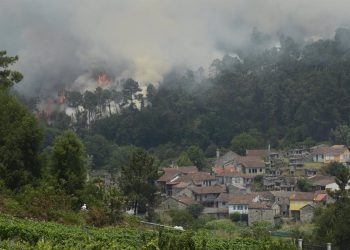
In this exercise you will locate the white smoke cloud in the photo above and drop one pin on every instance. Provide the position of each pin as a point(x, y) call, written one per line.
point(58, 41)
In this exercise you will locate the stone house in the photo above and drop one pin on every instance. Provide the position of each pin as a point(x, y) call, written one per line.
point(177, 202)
point(337, 153)
point(251, 165)
point(298, 200)
point(262, 154)
point(260, 212)
point(323, 182)
point(207, 195)
point(226, 159)
point(319, 152)
point(281, 198)
point(307, 213)
point(170, 175)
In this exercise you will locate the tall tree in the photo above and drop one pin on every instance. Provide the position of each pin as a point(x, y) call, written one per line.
point(69, 162)
point(137, 181)
point(20, 141)
point(8, 77)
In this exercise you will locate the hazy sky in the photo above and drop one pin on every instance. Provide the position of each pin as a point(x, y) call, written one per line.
point(59, 41)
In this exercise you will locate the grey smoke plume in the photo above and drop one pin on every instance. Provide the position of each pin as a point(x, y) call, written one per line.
point(58, 42)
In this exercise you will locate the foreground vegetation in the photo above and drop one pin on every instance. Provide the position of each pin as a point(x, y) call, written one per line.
point(29, 234)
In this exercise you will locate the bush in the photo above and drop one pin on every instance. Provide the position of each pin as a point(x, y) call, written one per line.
point(235, 217)
point(223, 225)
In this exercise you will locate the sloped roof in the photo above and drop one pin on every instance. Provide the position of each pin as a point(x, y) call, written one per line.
point(229, 156)
point(251, 162)
point(320, 150)
point(185, 200)
point(283, 194)
point(221, 171)
point(236, 198)
point(184, 170)
point(261, 153)
point(169, 174)
point(337, 150)
point(304, 196)
point(217, 189)
point(258, 205)
point(321, 180)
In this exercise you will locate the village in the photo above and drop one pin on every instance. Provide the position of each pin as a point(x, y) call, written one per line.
point(261, 186)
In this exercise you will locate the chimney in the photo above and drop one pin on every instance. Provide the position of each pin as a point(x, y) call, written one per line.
point(217, 153)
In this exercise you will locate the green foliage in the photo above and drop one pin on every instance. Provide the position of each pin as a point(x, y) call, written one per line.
point(304, 185)
point(242, 142)
point(259, 230)
point(29, 234)
point(184, 160)
point(222, 225)
point(340, 135)
point(99, 148)
point(137, 181)
point(20, 141)
point(181, 218)
point(196, 155)
point(8, 77)
point(235, 217)
point(195, 210)
point(69, 162)
point(333, 168)
point(120, 157)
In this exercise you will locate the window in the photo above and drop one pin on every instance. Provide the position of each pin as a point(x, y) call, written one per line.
point(224, 203)
point(260, 170)
point(205, 196)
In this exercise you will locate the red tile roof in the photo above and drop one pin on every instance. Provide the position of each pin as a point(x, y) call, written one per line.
point(303, 196)
point(337, 150)
point(261, 153)
point(236, 198)
point(217, 189)
point(185, 200)
point(258, 205)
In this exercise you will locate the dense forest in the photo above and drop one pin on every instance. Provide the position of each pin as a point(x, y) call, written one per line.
point(293, 94)
point(283, 96)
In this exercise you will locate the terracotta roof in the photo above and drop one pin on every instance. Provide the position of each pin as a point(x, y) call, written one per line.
point(185, 200)
point(337, 150)
point(229, 156)
point(283, 194)
point(236, 198)
point(304, 196)
point(321, 180)
point(200, 176)
point(251, 162)
point(320, 197)
point(320, 150)
point(220, 171)
point(181, 185)
point(184, 170)
point(217, 189)
point(258, 205)
point(261, 153)
point(168, 175)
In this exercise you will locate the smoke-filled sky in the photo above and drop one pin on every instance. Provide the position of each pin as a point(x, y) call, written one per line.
point(60, 41)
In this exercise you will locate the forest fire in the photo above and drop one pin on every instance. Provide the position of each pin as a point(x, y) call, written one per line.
point(103, 80)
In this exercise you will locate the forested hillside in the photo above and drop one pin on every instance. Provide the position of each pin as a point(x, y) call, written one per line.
point(280, 96)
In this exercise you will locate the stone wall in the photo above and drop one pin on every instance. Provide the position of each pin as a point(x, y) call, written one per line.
point(258, 214)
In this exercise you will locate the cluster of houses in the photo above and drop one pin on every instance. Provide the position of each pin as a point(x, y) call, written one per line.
point(230, 185)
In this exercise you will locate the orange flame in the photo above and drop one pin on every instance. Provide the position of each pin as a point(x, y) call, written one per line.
point(103, 80)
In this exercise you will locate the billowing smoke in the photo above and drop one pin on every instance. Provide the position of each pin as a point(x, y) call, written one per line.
point(62, 43)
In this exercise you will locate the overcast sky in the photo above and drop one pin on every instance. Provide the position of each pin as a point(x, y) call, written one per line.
point(59, 41)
